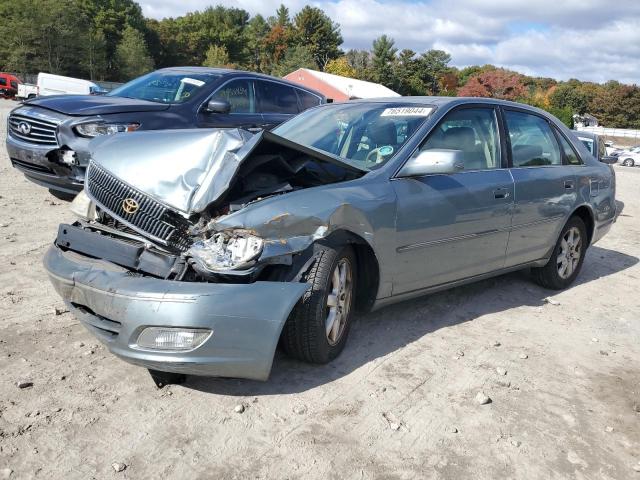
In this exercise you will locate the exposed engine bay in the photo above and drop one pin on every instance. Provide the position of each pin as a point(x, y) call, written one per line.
point(130, 227)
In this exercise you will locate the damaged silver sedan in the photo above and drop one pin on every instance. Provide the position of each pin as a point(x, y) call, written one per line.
point(197, 252)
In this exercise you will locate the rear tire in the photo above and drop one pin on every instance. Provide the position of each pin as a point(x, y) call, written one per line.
point(628, 162)
point(317, 329)
point(566, 260)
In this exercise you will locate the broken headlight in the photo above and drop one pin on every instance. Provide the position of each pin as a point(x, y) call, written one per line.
point(226, 251)
point(95, 129)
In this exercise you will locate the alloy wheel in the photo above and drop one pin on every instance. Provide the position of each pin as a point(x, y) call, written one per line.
point(339, 301)
point(570, 252)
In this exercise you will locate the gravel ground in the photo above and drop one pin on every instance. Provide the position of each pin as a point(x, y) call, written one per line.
point(561, 370)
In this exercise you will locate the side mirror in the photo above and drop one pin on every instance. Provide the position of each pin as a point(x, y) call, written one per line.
point(609, 159)
point(218, 106)
point(434, 161)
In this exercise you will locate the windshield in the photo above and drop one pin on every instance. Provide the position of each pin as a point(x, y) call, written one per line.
point(366, 134)
point(165, 87)
point(588, 143)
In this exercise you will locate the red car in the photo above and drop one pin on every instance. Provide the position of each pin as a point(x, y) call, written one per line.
point(8, 85)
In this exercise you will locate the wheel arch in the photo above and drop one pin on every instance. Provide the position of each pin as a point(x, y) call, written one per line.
point(368, 266)
point(585, 213)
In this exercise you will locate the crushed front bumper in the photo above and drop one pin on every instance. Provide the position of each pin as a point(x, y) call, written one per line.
point(115, 306)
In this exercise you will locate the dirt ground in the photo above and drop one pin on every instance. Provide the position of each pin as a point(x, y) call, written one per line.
point(398, 403)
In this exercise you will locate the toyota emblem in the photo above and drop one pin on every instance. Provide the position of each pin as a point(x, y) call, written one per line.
point(130, 206)
point(24, 128)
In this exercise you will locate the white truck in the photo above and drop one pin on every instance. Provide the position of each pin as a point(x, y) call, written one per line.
point(27, 91)
point(49, 84)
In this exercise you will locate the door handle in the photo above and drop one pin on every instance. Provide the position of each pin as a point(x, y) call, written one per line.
point(569, 184)
point(254, 129)
point(501, 193)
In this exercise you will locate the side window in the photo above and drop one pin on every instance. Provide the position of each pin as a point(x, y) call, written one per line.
point(569, 152)
point(473, 131)
point(307, 100)
point(14, 84)
point(276, 98)
point(3, 82)
point(239, 95)
point(532, 141)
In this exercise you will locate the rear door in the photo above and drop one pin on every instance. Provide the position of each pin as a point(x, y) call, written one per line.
point(276, 101)
point(239, 92)
point(455, 226)
point(545, 186)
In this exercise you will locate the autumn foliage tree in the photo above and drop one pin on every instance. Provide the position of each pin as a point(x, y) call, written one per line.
point(499, 83)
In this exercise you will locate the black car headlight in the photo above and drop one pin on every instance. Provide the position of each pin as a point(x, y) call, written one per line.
point(226, 251)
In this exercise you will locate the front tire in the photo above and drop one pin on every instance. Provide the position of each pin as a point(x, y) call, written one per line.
point(628, 162)
point(566, 260)
point(317, 329)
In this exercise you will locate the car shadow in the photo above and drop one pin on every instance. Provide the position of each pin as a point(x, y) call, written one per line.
point(380, 333)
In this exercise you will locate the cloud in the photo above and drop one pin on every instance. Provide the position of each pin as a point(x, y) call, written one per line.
point(586, 39)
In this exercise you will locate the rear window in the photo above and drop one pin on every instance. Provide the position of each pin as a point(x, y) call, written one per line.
point(308, 100)
point(276, 98)
point(533, 144)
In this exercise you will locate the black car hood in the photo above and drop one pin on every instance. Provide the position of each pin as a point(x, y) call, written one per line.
point(82, 105)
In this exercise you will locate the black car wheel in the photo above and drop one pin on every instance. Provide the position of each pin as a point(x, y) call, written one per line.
point(628, 162)
point(317, 329)
point(567, 257)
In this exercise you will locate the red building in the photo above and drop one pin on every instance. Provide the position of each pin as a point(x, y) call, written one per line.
point(339, 88)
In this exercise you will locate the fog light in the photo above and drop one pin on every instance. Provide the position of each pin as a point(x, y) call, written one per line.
point(167, 338)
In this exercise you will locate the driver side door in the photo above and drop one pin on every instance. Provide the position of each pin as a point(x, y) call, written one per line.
point(240, 94)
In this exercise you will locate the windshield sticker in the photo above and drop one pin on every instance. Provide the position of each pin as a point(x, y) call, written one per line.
point(407, 112)
point(192, 81)
point(386, 150)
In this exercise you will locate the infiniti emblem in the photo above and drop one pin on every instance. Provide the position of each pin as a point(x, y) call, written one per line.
point(24, 128)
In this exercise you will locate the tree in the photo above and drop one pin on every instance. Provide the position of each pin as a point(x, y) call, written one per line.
point(360, 60)
point(256, 31)
point(295, 58)
point(217, 56)
point(383, 61)
point(432, 65)
point(95, 55)
point(499, 83)
point(132, 54)
point(319, 34)
point(340, 66)
point(569, 96)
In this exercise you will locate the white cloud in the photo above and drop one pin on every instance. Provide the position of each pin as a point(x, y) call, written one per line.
point(586, 39)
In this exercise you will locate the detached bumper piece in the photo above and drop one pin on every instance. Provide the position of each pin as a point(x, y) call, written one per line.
point(245, 320)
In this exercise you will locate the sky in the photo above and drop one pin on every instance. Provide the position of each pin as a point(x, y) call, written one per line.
point(594, 40)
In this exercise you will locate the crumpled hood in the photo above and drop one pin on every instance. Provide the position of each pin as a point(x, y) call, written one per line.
point(184, 169)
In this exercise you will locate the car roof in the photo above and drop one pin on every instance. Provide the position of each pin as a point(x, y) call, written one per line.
point(591, 135)
point(450, 101)
point(229, 72)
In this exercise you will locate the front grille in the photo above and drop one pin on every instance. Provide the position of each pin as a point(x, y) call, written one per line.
point(151, 218)
point(31, 166)
point(33, 130)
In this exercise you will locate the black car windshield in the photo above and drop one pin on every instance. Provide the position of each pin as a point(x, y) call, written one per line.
point(165, 87)
point(367, 134)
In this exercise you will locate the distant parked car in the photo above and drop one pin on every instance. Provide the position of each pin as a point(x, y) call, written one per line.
point(629, 158)
point(49, 137)
point(596, 146)
point(8, 85)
